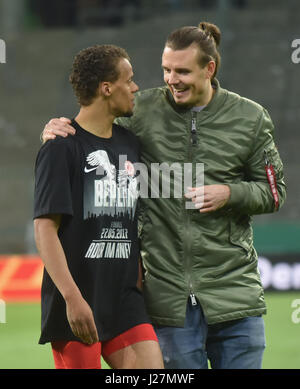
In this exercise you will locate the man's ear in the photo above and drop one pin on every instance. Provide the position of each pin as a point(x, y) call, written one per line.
point(105, 88)
point(211, 66)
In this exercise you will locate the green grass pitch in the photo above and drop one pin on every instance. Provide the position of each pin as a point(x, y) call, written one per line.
point(19, 336)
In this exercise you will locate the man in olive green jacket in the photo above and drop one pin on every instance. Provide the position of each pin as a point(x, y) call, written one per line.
point(201, 281)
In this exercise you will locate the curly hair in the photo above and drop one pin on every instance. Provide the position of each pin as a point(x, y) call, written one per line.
point(94, 65)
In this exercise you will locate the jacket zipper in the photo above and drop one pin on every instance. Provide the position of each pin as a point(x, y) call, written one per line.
point(193, 142)
point(193, 298)
point(194, 131)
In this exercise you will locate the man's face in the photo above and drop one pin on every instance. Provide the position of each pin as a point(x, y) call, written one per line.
point(187, 81)
point(122, 97)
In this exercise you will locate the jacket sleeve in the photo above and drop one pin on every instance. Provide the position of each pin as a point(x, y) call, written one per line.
point(254, 196)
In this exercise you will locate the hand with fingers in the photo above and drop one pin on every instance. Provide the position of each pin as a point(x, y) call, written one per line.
point(81, 320)
point(58, 126)
point(209, 198)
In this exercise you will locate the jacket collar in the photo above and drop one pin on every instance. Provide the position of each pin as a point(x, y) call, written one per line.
point(212, 107)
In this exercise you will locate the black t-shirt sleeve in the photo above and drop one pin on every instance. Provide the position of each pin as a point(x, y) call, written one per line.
point(53, 179)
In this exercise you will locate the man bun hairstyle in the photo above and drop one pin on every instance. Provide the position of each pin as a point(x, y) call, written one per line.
point(206, 37)
point(93, 65)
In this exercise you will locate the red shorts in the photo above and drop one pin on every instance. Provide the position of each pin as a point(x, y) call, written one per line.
point(78, 355)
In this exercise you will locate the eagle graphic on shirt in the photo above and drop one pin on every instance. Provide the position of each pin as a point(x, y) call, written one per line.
point(108, 191)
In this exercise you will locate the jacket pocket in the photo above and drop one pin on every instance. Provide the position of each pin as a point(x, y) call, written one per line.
point(241, 235)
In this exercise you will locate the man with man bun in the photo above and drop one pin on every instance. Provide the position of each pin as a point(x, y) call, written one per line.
point(202, 286)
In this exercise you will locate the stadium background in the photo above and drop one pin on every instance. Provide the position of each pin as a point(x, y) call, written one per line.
point(41, 40)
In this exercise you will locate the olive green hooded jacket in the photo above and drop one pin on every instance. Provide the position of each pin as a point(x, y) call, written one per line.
point(209, 255)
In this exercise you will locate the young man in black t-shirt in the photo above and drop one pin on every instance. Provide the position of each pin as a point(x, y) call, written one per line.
point(86, 226)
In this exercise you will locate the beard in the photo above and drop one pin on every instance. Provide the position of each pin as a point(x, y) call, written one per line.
point(126, 114)
point(183, 104)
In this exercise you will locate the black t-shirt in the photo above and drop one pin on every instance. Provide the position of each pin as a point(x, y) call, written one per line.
point(92, 183)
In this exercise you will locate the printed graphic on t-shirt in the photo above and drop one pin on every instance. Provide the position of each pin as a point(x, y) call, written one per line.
point(111, 195)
